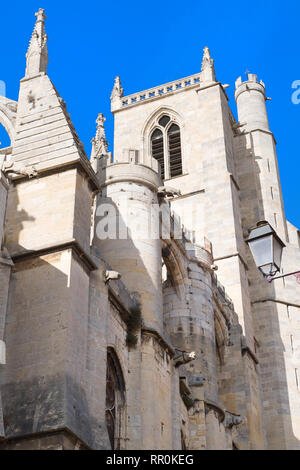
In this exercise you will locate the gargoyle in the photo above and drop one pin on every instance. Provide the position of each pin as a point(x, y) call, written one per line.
point(183, 357)
point(110, 275)
point(11, 168)
point(232, 420)
point(164, 191)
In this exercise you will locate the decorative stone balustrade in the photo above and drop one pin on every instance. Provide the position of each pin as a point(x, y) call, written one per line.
point(161, 90)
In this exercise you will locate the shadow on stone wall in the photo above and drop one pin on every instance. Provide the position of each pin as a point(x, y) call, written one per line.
point(45, 384)
point(271, 351)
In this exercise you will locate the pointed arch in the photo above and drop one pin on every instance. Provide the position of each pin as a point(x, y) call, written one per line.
point(155, 121)
point(221, 336)
point(175, 267)
point(157, 114)
point(115, 400)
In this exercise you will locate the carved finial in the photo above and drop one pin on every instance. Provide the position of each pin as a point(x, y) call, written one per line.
point(207, 66)
point(100, 120)
point(117, 91)
point(116, 95)
point(40, 15)
point(37, 54)
point(206, 60)
point(99, 142)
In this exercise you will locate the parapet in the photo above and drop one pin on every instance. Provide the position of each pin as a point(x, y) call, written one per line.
point(251, 83)
point(170, 88)
point(129, 167)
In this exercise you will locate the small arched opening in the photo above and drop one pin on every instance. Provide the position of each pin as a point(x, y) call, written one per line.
point(115, 401)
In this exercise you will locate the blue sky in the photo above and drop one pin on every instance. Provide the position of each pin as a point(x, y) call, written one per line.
point(149, 43)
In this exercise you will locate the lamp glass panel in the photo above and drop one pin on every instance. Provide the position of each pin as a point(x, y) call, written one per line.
point(277, 253)
point(261, 249)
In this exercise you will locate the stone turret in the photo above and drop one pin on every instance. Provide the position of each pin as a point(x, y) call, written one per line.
point(130, 188)
point(261, 199)
point(252, 113)
point(251, 103)
point(129, 204)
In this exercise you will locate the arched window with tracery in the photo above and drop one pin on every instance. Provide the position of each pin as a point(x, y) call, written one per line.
point(166, 147)
point(115, 401)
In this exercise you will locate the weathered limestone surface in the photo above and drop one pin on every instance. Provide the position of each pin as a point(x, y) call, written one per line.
point(5, 269)
point(118, 330)
point(3, 199)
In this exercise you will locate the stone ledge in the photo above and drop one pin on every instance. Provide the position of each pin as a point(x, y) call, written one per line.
point(64, 245)
point(57, 165)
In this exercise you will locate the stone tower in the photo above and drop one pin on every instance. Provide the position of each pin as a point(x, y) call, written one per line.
point(132, 315)
point(275, 307)
point(229, 181)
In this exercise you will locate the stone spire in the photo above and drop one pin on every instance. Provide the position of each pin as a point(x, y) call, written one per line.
point(207, 67)
point(116, 94)
point(37, 54)
point(99, 142)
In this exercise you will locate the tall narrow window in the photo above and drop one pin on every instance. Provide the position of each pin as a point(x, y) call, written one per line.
point(174, 151)
point(166, 147)
point(157, 142)
point(115, 400)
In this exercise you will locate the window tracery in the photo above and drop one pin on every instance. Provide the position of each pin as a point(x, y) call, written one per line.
point(115, 400)
point(166, 147)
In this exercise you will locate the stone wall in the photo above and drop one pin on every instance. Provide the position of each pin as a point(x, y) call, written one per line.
point(5, 268)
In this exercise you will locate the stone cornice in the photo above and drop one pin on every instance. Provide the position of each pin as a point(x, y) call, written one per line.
point(231, 256)
point(72, 244)
point(60, 165)
point(264, 131)
point(212, 84)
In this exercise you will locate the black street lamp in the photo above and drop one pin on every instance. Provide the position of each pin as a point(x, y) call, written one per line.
point(266, 248)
